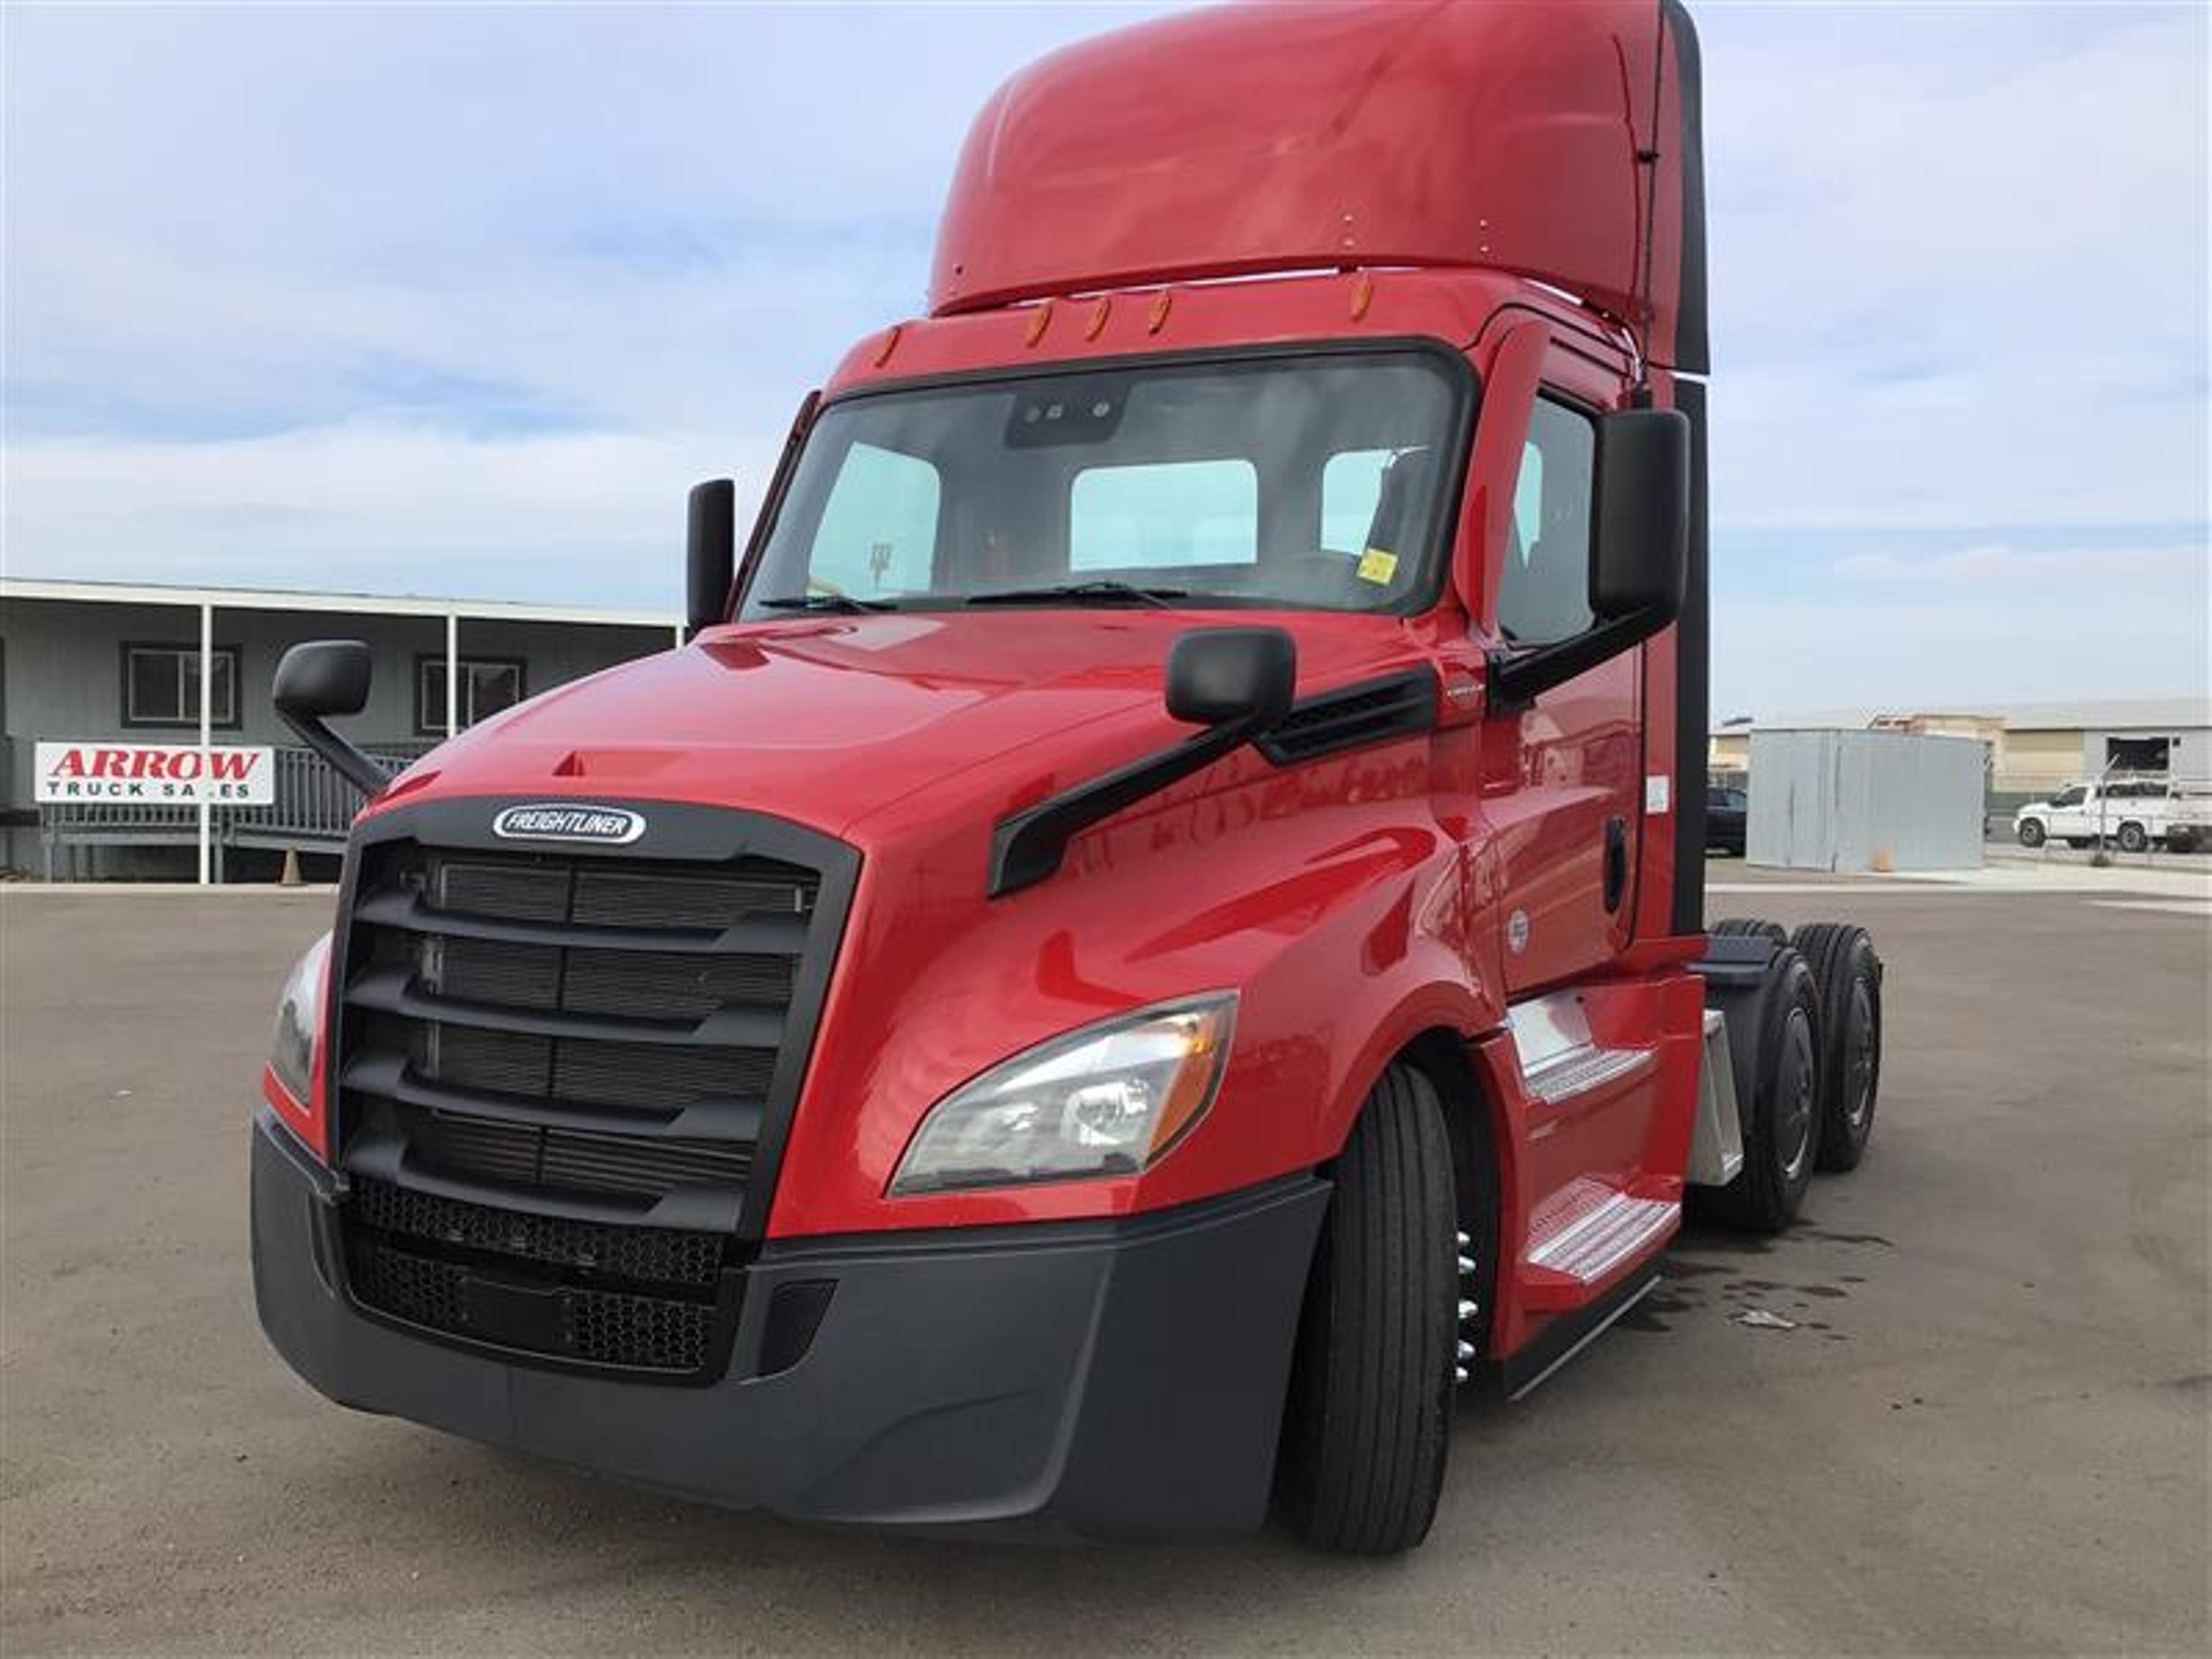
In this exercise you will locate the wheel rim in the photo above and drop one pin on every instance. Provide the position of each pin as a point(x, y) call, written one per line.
point(1858, 1057)
point(1793, 1113)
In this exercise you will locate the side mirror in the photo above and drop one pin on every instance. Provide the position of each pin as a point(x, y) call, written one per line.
point(710, 554)
point(1225, 676)
point(1639, 555)
point(317, 679)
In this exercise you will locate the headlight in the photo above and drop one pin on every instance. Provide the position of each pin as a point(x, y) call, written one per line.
point(292, 1045)
point(1107, 1100)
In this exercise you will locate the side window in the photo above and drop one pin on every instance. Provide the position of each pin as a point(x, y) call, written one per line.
point(1543, 592)
point(1350, 491)
point(1165, 513)
point(879, 529)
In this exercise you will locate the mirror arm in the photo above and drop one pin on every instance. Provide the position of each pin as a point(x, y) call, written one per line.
point(357, 767)
point(1517, 679)
point(1026, 848)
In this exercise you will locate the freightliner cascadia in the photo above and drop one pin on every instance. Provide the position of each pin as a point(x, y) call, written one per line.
point(1155, 930)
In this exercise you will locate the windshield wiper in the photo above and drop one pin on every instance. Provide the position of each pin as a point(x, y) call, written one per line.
point(843, 604)
point(1091, 592)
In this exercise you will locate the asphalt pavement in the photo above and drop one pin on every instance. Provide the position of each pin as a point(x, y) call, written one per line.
point(1984, 1429)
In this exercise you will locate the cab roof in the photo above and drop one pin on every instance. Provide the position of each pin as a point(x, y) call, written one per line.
point(1248, 139)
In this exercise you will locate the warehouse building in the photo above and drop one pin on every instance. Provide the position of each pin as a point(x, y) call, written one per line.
point(2029, 749)
point(136, 738)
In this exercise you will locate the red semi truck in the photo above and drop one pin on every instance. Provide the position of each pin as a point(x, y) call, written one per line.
point(1155, 929)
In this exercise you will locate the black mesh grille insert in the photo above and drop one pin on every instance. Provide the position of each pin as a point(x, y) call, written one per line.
point(654, 1254)
point(590, 1071)
point(548, 890)
point(573, 1160)
point(580, 980)
point(604, 1328)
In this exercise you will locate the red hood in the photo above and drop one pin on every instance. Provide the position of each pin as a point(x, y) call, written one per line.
point(826, 720)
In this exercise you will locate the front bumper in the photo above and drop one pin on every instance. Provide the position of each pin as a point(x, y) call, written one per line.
point(1089, 1379)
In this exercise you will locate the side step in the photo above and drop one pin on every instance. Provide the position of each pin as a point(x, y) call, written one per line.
point(1559, 1060)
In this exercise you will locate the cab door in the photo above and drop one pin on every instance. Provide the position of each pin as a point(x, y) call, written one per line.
point(1563, 776)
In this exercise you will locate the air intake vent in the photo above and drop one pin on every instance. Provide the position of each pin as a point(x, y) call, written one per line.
point(1373, 711)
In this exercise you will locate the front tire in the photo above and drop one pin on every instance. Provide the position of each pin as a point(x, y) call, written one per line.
point(2031, 833)
point(2133, 838)
point(1370, 1413)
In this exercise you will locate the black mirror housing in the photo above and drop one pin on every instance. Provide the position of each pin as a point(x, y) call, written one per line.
point(1224, 675)
point(318, 678)
point(710, 554)
point(1639, 556)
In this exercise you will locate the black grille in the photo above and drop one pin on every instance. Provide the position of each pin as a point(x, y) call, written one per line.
point(601, 1328)
point(521, 1008)
point(1370, 712)
point(587, 1071)
point(635, 1252)
point(528, 1155)
point(532, 1047)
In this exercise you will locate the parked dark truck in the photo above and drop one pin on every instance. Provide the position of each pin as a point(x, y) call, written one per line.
point(1156, 928)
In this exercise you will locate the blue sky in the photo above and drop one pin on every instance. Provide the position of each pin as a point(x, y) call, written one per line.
point(459, 300)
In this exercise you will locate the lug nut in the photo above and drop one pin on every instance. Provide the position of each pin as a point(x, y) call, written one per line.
point(1459, 1373)
point(1466, 1352)
point(1467, 1266)
point(1464, 1241)
point(1467, 1310)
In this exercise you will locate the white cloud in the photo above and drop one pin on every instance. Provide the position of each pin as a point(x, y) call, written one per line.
point(594, 516)
point(1976, 623)
point(2174, 569)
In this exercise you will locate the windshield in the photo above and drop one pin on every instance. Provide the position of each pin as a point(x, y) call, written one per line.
point(1313, 481)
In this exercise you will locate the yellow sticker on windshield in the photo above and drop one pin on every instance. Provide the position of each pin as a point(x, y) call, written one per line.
point(1376, 566)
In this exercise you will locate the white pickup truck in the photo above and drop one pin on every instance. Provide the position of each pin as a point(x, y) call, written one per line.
point(2131, 812)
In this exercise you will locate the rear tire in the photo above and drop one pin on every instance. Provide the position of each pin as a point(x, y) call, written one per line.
point(1371, 1412)
point(1749, 928)
point(1849, 974)
point(1781, 1117)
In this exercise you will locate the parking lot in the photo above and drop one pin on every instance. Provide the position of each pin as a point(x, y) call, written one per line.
point(1985, 1429)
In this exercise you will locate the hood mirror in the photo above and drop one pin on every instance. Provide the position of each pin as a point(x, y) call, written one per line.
point(317, 679)
point(710, 554)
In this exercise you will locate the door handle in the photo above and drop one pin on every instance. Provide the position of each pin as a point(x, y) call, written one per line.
point(1616, 860)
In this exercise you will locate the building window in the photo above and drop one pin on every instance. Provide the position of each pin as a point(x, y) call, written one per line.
point(487, 684)
point(161, 686)
point(2139, 754)
point(1543, 594)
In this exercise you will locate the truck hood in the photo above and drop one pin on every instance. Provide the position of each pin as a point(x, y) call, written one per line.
point(826, 720)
